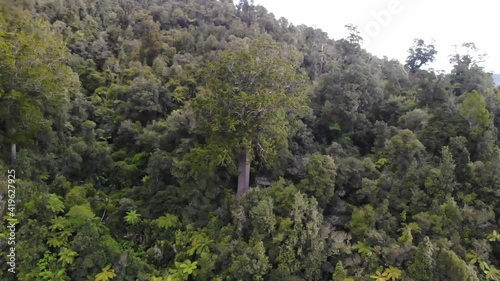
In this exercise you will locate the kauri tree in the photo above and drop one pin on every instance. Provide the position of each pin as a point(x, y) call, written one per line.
point(244, 109)
point(34, 80)
point(420, 54)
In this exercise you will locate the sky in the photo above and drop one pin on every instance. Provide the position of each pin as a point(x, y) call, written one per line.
point(390, 26)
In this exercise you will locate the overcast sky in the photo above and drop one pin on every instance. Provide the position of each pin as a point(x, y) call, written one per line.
point(389, 26)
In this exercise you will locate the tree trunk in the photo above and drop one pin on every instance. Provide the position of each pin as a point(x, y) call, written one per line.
point(13, 156)
point(244, 176)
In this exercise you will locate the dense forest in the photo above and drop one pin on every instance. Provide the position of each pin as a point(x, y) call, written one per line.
point(207, 140)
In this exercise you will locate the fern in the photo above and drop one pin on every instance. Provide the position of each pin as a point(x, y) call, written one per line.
point(390, 274)
point(494, 236)
point(106, 274)
point(393, 273)
point(490, 272)
point(58, 223)
point(379, 276)
point(188, 267)
point(55, 242)
point(473, 257)
point(363, 249)
point(132, 217)
point(167, 221)
point(55, 204)
point(67, 256)
point(381, 163)
point(200, 244)
point(81, 212)
point(59, 275)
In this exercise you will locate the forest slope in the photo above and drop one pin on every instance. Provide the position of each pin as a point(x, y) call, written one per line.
point(203, 140)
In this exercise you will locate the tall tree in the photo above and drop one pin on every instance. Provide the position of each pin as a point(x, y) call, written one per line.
point(245, 11)
point(34, 80)
point(244, 108)
point(420, 54)
point(423, 267)
point(468, 72)
point(354, 35)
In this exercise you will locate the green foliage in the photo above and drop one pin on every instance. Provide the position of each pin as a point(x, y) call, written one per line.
point(252, 263)
point(451, 267)
point(381, 162)
point(467, 73)
point(249, 95)
point(363, 249)
point(107, 274)
point(406, 238)
point(424, 264)
point(403, 148)
point(188, 267)
point(66, 256)
point(132, 217)
point(121, 107)
point(83, 212)
point(34, 80)
point(363, 220)
point(59, 223)
point(474, 109)
point(490, 272)
point(183, 270)
point(441, 181)
point(167, 221)
point(391, 273)
point(420, 54)
point(320, 180)
point(55, 204)
point(379, 276)
point(263, 217)
point(474, 258)
point(78, 195)
point(43, 264)
point(59, 275)
point(200, 244)
point(340, 273)
point(493, 236)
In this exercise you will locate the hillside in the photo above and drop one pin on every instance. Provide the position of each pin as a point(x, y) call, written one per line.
point(203, 140)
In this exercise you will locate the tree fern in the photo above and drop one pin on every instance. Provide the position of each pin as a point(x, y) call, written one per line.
point(67, 256)
point(106, 274)
point(55, 204)
point(132, 217)
point(167, 221)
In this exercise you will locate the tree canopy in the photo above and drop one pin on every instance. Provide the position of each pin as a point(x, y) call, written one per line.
point(209, 140)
